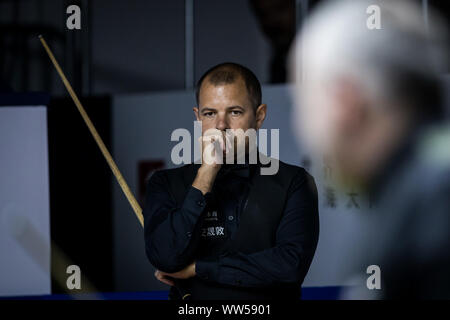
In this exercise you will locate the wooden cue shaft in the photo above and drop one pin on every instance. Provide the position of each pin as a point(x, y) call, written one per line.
point(126, 190)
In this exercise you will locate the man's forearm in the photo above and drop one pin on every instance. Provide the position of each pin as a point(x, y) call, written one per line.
point(204, 179)
point(260, 269)
point(171, 231)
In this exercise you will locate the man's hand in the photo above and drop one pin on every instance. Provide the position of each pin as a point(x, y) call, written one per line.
point(167, 278)
point(215, 145)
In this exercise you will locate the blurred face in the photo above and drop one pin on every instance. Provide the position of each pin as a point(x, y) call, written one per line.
point(335, 116)
point(331, 118)
point(227, 106)
point(317, 117)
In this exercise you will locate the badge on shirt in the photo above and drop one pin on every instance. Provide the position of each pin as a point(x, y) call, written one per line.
point(212, 226)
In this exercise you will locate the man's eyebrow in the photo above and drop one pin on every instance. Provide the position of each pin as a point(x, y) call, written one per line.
point(207, 109)
point(232, 107)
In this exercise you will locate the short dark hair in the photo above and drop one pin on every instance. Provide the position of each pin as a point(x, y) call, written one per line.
point(229, 72)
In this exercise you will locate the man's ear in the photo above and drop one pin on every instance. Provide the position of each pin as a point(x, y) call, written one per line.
point(196, 113)
point(260, 115)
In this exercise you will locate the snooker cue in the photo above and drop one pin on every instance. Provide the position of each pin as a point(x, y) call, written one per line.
point(120, 179)
point(115, 170)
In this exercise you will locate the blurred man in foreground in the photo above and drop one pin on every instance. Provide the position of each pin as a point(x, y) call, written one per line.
point(370, 98)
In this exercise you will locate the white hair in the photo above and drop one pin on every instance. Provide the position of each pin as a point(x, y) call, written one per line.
point(336, 41)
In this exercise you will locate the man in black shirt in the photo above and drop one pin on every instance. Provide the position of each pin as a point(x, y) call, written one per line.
point(227, 231)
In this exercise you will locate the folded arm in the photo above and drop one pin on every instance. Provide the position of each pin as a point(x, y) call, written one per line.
point(171, 230)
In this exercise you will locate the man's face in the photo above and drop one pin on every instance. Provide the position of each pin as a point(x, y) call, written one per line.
point(228, 106)
point(316, 116)
point(335, 118)
point(225, 106)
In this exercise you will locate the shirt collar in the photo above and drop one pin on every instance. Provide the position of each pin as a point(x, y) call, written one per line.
point(240, 170)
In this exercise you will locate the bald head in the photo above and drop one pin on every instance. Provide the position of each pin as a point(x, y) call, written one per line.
point(400, 61)
point(362, 91)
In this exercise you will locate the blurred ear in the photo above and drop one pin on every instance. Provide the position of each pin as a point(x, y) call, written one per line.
point(260, 115)
point(196, 113)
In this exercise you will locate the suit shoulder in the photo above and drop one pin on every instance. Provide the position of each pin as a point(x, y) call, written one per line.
point(292, 170)
point(289, 174)
point(167, 175)
point(299, 178)
point(173, 172)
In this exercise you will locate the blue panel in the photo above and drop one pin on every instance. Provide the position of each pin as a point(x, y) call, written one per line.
point(308, 293)
point(321, 293)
